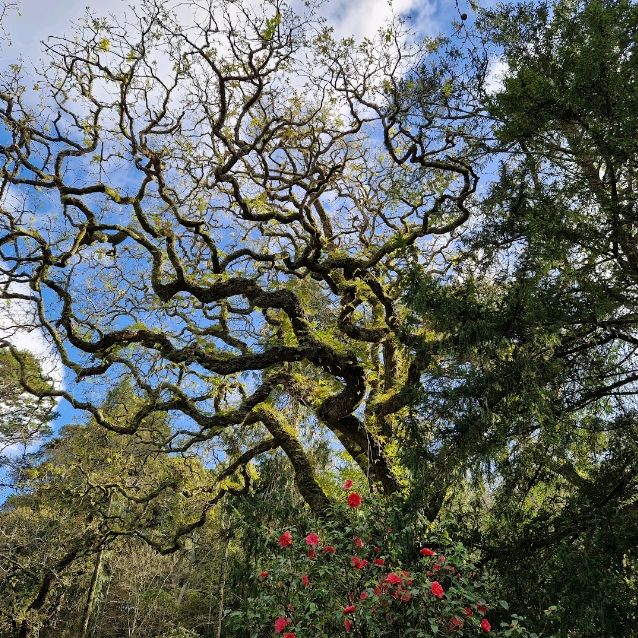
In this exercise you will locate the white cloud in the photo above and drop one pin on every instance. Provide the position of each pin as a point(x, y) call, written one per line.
point(496, 72)
point(39, 19)
point(18, 326)
point(362, 18)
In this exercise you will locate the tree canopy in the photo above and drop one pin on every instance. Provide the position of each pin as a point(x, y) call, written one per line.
point(230, 206)
point(271, 259)
point(24, 417)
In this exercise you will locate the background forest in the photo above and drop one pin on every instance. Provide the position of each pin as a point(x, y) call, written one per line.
point(348, 326)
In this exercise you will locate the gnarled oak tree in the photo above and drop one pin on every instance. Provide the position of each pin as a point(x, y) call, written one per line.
point(221, 210)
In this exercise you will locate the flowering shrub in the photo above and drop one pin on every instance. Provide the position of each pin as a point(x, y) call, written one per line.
point(350, 577)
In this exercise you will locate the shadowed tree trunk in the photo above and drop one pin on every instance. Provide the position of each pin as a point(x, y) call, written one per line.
point(223, 568)
point(91, 596)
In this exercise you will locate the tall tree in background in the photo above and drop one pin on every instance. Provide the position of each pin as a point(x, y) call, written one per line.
point(538, 392)
point(92, 491)
point(25, 418)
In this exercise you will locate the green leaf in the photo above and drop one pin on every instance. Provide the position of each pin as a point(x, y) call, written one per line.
point(271, 27)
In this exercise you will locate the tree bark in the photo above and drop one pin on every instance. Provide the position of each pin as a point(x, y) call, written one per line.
point(89, 606)
point(222, 584)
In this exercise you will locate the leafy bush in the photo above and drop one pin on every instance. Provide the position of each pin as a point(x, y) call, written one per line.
point(351, 575)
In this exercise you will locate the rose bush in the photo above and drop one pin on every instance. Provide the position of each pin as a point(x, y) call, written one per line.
point(351, 576)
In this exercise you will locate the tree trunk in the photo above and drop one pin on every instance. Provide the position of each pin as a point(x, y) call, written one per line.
point(25, 630)
point(51, 622)
point(92, 594)
point(222, 584)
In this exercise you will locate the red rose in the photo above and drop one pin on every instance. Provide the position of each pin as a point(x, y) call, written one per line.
point(393, 579)
point(426, 551)
point(363, 595)
point(379, 561)
point(441, 559)
point(290, 634)
point(481, 608)
point(347, 485)
point(312, 539)
point(437, 590)
point(485, 625)
point(329, 549)
point(305, 580)
point(468, 612)
point(281, 624)
point(358, 563)
point(285, 539)
point(358, 542)
point(312, 554)
point(263, 575)
point(350, 609)
point(354, 500)
point(455, 623)
point(347, 624)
